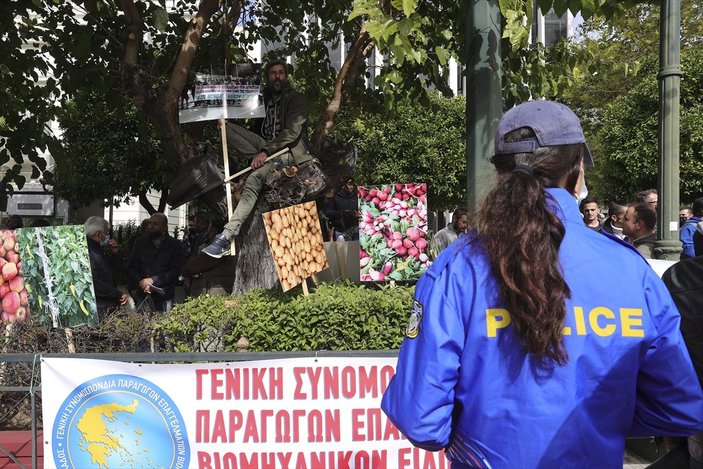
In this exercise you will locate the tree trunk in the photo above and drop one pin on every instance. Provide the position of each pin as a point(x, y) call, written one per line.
point(161, 104)
point(255, 266)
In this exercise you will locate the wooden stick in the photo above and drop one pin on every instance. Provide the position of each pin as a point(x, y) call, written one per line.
point(249, 168)
point(228, 185)
point(305, 287)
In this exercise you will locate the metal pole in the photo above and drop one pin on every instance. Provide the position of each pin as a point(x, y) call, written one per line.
point(33, 400)
point(484, 106)
point(668, 245)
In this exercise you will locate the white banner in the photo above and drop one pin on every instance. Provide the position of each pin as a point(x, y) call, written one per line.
point(298, 413)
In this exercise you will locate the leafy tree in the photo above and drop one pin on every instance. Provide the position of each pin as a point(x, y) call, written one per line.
point(617, 95)
point(148, 52)
point(627, 137)
point(108, 139)
point(27, 103)
point(418, 144)
point(614, 51)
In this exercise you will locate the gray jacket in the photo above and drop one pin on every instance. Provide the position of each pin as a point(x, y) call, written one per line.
point(294, 132)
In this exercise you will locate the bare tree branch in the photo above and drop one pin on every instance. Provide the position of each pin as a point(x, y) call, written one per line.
point(349, 72)
point(146, 203)
point(189, 46)
point(133, 77)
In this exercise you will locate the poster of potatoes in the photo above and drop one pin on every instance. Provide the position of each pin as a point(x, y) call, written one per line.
point(13, 293)
point(393, 232)
point(56, 270)
point(296, 243)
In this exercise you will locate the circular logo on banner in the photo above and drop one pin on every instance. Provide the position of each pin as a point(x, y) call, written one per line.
point(119, 421)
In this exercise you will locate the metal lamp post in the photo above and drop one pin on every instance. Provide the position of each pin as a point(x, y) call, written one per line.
point(484, 106)
point(668, 245)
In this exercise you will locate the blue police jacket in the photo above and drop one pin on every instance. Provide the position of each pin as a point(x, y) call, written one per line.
point(465, 383)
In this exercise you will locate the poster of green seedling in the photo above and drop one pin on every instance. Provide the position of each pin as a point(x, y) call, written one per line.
point(57, 275)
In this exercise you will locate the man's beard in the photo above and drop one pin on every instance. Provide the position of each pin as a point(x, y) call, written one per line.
point(276, 87)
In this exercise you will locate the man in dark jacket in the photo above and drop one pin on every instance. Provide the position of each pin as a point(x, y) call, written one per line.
point(197, 234)
point(639, 225)
point(284, 125)
point(204, 274)
point(613, 224)
point(104, 265)
point(155, 263)
point(344, 201)
point(685, 283)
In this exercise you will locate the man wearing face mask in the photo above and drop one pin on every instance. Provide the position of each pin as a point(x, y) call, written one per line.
point(104, 264)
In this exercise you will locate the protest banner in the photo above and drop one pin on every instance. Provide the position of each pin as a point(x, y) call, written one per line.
point(299, 413)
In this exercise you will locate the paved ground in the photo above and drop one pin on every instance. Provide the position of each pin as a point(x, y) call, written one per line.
point(632, 461)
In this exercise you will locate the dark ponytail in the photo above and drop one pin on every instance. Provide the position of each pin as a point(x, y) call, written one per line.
point(522, 235)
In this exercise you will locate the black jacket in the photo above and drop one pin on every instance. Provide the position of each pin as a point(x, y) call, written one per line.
point(685, 283)
point(339, 204)
point(163, 264)
point(103, 267)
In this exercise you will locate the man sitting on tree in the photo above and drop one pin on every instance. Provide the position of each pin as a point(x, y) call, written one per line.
point(284, 125)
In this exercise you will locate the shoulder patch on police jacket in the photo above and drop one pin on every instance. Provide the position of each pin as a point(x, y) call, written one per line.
point(413, 328)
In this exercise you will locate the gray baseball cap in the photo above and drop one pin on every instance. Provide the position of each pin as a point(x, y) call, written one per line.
point(553, 124)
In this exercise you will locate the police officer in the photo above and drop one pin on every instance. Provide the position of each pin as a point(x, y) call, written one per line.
point(535, 341)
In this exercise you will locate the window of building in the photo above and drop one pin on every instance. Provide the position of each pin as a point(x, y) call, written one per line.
point(555, 28)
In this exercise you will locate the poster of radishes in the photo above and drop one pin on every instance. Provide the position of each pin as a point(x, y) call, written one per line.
point(393, 232)
point(56, 270)
point(13, 293)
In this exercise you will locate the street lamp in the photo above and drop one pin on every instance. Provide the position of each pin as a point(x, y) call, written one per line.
point(667, 245)
point(484, 106)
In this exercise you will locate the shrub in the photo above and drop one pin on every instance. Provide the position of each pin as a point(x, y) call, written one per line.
point(332, 317)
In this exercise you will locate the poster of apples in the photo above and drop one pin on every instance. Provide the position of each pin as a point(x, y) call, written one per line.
point(393, 232)
point(55, 266)
point(13, 293)
point(295, 238)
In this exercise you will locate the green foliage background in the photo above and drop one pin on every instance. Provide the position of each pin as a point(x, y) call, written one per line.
point(332, 317)
point(80, 45)
point(627, 140)
point(412, 143)
point(616, 96)
point(105, 136)
point(69, 265)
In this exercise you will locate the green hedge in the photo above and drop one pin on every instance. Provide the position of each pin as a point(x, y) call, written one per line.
point(333, 317)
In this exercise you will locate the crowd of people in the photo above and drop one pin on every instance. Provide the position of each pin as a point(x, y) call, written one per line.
point(636, 222)
point(146, 277)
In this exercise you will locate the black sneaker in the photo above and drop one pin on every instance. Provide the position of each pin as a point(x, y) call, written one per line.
point(219, 247)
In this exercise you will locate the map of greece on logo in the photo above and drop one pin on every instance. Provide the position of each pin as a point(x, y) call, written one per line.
point(119, 421)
